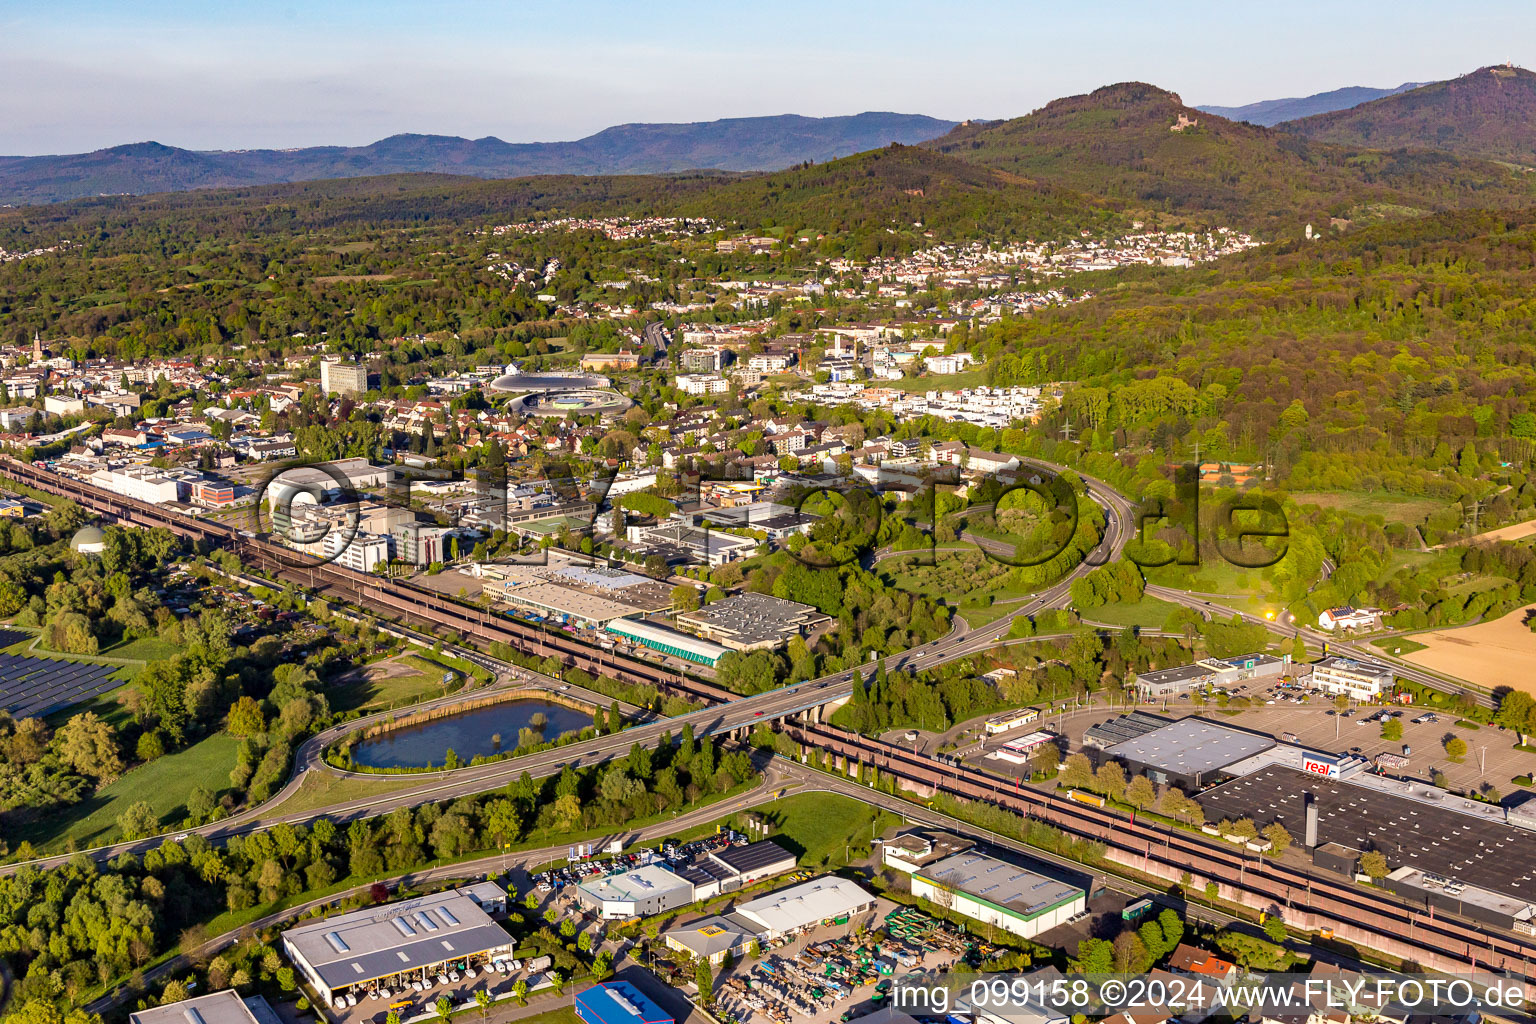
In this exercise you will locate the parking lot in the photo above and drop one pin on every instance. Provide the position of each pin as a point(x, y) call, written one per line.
point(1311, 720)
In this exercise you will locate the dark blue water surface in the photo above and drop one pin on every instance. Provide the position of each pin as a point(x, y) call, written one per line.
point(468, 733)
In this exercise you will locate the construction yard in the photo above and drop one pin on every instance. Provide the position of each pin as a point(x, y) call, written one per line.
point(842, 970)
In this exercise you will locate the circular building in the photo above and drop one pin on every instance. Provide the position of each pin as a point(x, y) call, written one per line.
point(88, 540)
point(541, 383)
point(583, 402)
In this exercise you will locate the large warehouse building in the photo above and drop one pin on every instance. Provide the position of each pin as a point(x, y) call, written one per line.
point(947, 870)
point(668, 641)
point(751, 622)
point(408, 941)
point(793, 910)
point(1191, 753)
point(998, 893)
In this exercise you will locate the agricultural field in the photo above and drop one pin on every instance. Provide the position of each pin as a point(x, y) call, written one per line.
point(1393, 507)
point(1491, 654)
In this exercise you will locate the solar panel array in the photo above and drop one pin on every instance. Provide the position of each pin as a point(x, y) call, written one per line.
point(39, 686)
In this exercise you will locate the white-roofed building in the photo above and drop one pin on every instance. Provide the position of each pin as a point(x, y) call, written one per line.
point(668, 641)
point(641, 892)
point(805, 905)
point(223, 1007)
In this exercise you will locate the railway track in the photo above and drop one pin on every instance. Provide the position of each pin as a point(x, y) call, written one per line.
point(417, 604)
point(1266, 880)
point(1263, 883)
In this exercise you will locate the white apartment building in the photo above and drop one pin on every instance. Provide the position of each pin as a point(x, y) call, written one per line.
point(360, 552)
point(339, 378)
point(703, 384)
point(769, 362)
point(952, 363)
point(1361, 680)
point(147, 483)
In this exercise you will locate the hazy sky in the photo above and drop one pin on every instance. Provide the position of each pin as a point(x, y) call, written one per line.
point(78, 75)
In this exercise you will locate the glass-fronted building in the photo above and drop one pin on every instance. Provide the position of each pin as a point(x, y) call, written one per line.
point(668, 641)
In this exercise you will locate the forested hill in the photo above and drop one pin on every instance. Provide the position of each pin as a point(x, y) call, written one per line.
point(888, 200)
point(899, 197)
point(1271, 112)
point(1121, 142)
point(1490, 113)
point(731, 144)
point(1353, 359)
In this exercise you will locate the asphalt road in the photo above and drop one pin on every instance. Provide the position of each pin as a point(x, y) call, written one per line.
point(774, 778)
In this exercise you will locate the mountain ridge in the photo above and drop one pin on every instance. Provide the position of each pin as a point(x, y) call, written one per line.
point(1486, 114)
point(728, 144)
point(1269, 113)
point(1140, 144)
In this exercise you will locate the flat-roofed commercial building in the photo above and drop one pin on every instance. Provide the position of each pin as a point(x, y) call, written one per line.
point(775, 520)
point(909, 851)
point(1190, 753)
point(1008, 720)
point(750, 622)
point(793, 910)
point(618, 1002)
point(641, 892)
point(668, 641)
point(1362, 680)
point(753, 862)
point(223, 1007)
point(1169, 682)
point(396, 942)
point(565, 603)
point(996, 892)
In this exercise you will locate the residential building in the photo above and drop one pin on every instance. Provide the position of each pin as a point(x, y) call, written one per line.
point(770, 362)
point(359, 552)
point(343, 378)
point(702, 384)
point(420, 544)
point(703, 360)
point(1349, 618)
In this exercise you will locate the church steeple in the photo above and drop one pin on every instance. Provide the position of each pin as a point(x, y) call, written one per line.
point(37, 347)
